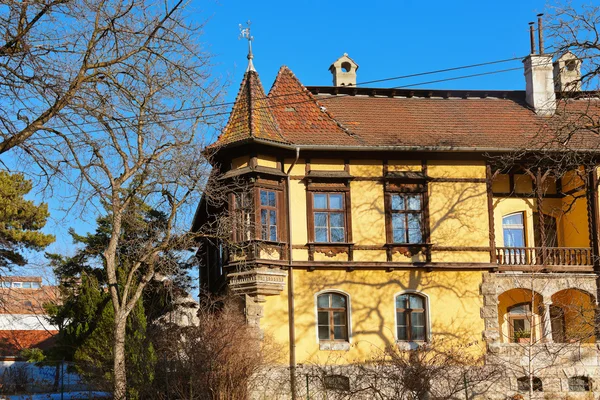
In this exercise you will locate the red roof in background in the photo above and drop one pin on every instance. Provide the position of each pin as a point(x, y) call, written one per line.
point(12, 342)
point(364, 117)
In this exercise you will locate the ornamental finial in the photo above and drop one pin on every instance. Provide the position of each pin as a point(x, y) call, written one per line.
point(245, 34)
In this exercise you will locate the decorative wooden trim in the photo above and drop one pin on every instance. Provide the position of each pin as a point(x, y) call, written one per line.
point(511, 183)
point(425, 204)
point(489, 179)
point(347, 166)
point(459, 249)
point(348, 214)
point(391, 266)
point(306, 166)
point(310, 223)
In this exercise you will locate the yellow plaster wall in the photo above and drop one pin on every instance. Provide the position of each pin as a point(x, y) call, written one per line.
point(523, 183)
point(501, 184)
point(298, 169)
point(454, 302)
point(266, 161)
point(574, 221)
point(327, 165)
point(456, 169)
point(405, 165)
point(366, 168)
point(240, 162)
point(458, 213)
point(298, 207)
point(368, 212)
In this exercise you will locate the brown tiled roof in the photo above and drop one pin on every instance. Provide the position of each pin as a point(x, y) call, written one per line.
point(300, 116)
point(493, 123)
point(251, 116)
point(361, 117)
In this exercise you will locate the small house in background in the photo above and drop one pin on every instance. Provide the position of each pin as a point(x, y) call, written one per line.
point(23, 322)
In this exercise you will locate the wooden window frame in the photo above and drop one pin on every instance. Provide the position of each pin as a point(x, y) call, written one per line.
point(268, 209)
point(240, 232)
point(253, 193)
point(330, 310)
point(407, 189)
point(408, 316)
point(346, 211)
point(406, 213)
point(528, 316)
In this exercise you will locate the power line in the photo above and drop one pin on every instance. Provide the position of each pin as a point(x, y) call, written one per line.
point(300, 102)
point(198, 108)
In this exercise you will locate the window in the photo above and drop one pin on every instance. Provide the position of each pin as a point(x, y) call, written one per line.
point(514, 230)
point(411, 320)
point(35, 285)
point(26, 285)
point(268, 215)
point(336, 382)
point(16, 284)
point(520, 322)
point(329, 217)
point(523, 384)
point(242, 216)
point(332, 317)
point(579, 384)
point(407, 217)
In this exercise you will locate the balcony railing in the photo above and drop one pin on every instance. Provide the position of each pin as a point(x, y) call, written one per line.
point(543, 256)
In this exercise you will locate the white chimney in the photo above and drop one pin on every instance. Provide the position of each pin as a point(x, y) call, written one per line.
point(539, 79)
point(344, 71)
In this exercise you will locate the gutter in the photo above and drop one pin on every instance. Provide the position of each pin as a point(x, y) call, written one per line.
point(291, 316)
point(408, 148)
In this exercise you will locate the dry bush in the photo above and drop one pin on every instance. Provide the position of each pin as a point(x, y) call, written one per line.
point(218, 359)
point(427, 372)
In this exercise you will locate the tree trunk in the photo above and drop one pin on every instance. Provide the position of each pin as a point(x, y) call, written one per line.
point(120, 373)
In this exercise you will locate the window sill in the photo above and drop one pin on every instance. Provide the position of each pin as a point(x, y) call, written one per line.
point(408, 346)
point(334, 346)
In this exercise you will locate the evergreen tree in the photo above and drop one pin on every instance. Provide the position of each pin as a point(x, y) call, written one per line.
point(20, 221)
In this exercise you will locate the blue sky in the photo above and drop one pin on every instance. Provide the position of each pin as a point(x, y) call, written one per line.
point(386, 38)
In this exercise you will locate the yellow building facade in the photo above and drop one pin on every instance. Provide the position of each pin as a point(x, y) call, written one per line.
point(366, 219)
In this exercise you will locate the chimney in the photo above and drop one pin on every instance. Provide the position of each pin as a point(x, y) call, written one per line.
point(567, 73)
point(344, 71)
point(539, 82)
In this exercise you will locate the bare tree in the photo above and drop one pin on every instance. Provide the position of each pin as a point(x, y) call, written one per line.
point(57, 57)
point(113, 99)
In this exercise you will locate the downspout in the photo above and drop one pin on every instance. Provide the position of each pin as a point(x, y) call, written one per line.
point(291, 318)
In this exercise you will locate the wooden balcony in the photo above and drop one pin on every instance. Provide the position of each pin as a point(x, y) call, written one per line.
point(549, 256)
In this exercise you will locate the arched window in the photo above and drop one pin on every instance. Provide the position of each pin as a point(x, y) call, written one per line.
point(411, 317)
point(332, 316)
point(514, 230)
point(523, 384)
point(579, 384)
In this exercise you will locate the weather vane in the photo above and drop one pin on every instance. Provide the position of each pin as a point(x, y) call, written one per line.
point(245, 34)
